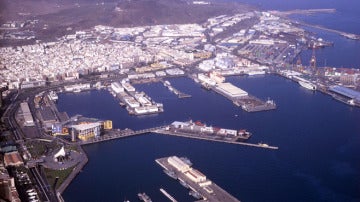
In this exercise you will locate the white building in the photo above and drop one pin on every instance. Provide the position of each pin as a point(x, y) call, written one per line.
point(116, 87)
point(195, 176)
point(179, 164)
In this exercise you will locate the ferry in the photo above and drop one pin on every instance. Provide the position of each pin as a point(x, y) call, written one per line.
point(144, 197)
point(307, 85)
point(171, 174)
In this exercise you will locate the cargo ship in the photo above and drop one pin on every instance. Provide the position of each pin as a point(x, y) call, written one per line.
point(144, 197)
point(307, 85)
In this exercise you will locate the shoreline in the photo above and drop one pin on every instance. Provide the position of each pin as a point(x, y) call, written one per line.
point(73, 173)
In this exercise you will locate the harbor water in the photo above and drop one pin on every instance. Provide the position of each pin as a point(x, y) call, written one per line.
point(317, 138)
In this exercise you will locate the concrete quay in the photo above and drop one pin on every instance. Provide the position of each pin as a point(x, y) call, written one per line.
point(248, 103)
point(203, 137)
point(209, 192)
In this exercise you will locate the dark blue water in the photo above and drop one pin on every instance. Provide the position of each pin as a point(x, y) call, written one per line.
point(318, 138)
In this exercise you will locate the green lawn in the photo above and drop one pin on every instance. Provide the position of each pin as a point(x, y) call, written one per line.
point(62, 174)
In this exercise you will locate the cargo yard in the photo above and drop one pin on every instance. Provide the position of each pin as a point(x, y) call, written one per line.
point(137, 103)
point(200, 187)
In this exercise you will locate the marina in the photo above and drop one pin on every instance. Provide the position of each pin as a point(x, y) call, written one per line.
point(201, 188)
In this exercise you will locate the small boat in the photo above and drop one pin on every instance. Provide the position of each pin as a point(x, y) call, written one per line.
point(263, 145)
point(184, 184)
point(144, 197)
point(195, 194)
point(171, 174)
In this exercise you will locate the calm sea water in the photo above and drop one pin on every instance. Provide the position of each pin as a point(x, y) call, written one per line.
point(318, 140)
point(318, 137)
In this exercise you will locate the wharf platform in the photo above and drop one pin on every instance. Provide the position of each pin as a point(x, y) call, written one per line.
point(164, 131)
point(174, 90)
point(248, 103)
point(209, 192)
point(117, 134)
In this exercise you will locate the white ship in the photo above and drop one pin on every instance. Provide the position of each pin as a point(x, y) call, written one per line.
point(307, 85)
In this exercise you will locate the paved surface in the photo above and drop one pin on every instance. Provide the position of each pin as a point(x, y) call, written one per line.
point(218, 193)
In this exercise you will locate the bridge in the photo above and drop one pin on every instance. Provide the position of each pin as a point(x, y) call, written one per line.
point(116, 134)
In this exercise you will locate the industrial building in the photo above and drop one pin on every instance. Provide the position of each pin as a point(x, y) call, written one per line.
point(347, 92)
point(13, 159)
point(116, 87)
point(179, 164)
point(25, 112)
point(231, 90)
point(195, 176)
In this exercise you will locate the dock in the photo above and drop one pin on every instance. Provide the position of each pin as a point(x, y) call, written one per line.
point(164, 130)
point(197, 182)
point(247, 102)
point(174, 90)
point(202, 137)
point(168, 195)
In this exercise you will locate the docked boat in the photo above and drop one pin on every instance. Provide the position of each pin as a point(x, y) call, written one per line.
point(184, 184)
point(195, 194)
point(307, 85)
point(144, 197)
point(53, 96)
point(263, 145)
point(171, 174)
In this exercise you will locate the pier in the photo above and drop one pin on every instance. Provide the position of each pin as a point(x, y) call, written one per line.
point(164, 130)
point(202, 137)
point(167, 195)
point(304, 11)
point(247, 102)
point(344, 34)
point(197, 182)
point(174, 90)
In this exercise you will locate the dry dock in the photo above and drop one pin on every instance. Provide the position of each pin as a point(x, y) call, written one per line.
point(197, 182)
